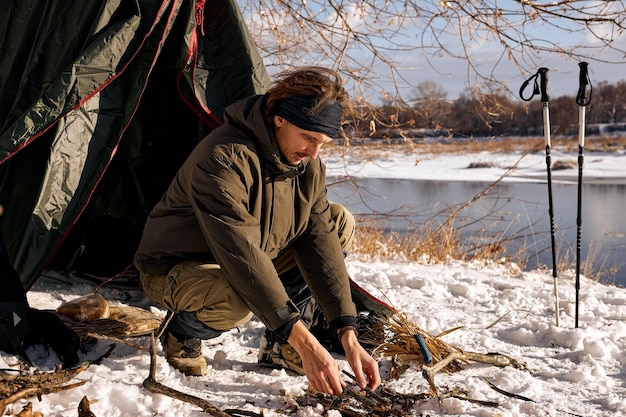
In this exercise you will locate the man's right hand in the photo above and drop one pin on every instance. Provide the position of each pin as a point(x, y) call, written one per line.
point(319, 366)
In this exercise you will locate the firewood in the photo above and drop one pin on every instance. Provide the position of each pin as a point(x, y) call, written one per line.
point(399, 337)
point(27, 411)
point(152, 385)
point(10, 383)
point(83, 408)
point(35, 392)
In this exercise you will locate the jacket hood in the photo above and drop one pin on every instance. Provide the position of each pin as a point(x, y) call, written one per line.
point(247, 114)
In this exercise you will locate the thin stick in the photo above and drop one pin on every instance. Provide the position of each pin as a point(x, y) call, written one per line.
point(508, 394)
point(384, 400)
point(35, 391)
point(117, 340)
point(152, 385)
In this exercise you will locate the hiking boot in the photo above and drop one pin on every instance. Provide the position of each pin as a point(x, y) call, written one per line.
point(185, 355)
point(279, 355)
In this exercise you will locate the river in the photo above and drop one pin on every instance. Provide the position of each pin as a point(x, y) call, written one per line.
point(512, 207)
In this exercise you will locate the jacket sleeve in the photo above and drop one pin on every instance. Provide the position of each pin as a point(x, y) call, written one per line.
point(221, 188)
point(319, 255)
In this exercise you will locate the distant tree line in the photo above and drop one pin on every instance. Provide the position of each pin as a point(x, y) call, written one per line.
point(430, 113)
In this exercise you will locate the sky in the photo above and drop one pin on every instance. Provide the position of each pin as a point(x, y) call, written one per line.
point(563, 73)
point(454, 75)
point(486, 306)
point(487, 52)
point(429, 46)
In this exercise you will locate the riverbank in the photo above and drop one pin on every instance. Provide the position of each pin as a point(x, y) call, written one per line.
point(441, 179)
point(484, 166)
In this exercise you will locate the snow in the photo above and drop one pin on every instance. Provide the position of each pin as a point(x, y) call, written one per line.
point(496, 307)
point(454, 167)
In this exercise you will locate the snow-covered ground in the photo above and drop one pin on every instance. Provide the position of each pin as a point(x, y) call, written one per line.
point(569, 371)
point(597, 167)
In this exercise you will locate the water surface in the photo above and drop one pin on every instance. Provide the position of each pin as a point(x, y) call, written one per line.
point(516, 208)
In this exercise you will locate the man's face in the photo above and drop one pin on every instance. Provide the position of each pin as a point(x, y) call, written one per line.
point(296, 144)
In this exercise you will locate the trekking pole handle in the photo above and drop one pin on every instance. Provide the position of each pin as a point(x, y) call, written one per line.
point(583, 97)
point(543, 89)
point(543, 84)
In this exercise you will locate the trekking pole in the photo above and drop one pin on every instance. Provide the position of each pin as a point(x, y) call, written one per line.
point(583, 98)
point(542, 89)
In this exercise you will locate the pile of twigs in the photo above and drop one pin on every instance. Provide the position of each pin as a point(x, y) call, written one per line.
point(398, 337)
point(355, 402)
point(18, 385)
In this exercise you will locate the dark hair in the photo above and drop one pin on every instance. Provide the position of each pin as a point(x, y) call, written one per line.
point(323, 83)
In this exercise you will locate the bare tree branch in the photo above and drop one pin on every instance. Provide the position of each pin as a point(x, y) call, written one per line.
point(376, 43)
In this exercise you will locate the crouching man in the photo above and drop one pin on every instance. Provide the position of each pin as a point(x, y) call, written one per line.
point(247, 209)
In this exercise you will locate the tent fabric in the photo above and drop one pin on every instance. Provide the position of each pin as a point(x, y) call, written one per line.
point(100, 103)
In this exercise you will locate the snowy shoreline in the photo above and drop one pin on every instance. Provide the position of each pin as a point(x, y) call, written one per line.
point(598, 168)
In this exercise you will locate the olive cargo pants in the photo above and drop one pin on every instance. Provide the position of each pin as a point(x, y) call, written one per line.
point(201, 297)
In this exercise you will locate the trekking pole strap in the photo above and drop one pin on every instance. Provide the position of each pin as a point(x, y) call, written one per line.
point(525, 85)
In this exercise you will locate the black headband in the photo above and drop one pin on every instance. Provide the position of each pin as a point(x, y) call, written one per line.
point(297, 110)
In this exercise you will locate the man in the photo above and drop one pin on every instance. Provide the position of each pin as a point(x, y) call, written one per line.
point(248, 204)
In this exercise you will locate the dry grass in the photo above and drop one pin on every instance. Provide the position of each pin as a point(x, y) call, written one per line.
point(433, 244)
point(507, 145)
point(595, 265)
point(395, 337)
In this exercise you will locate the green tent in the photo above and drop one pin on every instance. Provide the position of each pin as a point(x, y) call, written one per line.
point(100, 103)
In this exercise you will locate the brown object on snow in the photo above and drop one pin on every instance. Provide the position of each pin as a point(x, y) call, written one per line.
point(14, 387)
point(83, 408)
point(92, 314)
point(27, 411)
point(86, 308)
point(122, 322)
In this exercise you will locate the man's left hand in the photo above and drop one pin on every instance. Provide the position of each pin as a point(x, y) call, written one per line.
point(364, 366)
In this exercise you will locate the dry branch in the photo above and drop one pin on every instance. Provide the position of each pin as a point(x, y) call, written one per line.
point(12, 383)
point(83, 408)
point(27, 411)
point(35, 391)
point(152, 385)
point(395, 337)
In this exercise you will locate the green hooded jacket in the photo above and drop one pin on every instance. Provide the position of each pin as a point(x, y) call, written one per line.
point(235, 203)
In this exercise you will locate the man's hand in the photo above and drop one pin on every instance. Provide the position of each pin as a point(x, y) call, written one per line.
point(364, 366)
point(319, 366)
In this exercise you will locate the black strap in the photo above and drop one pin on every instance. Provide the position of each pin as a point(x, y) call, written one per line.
point(540, 86)
point(525, 85)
